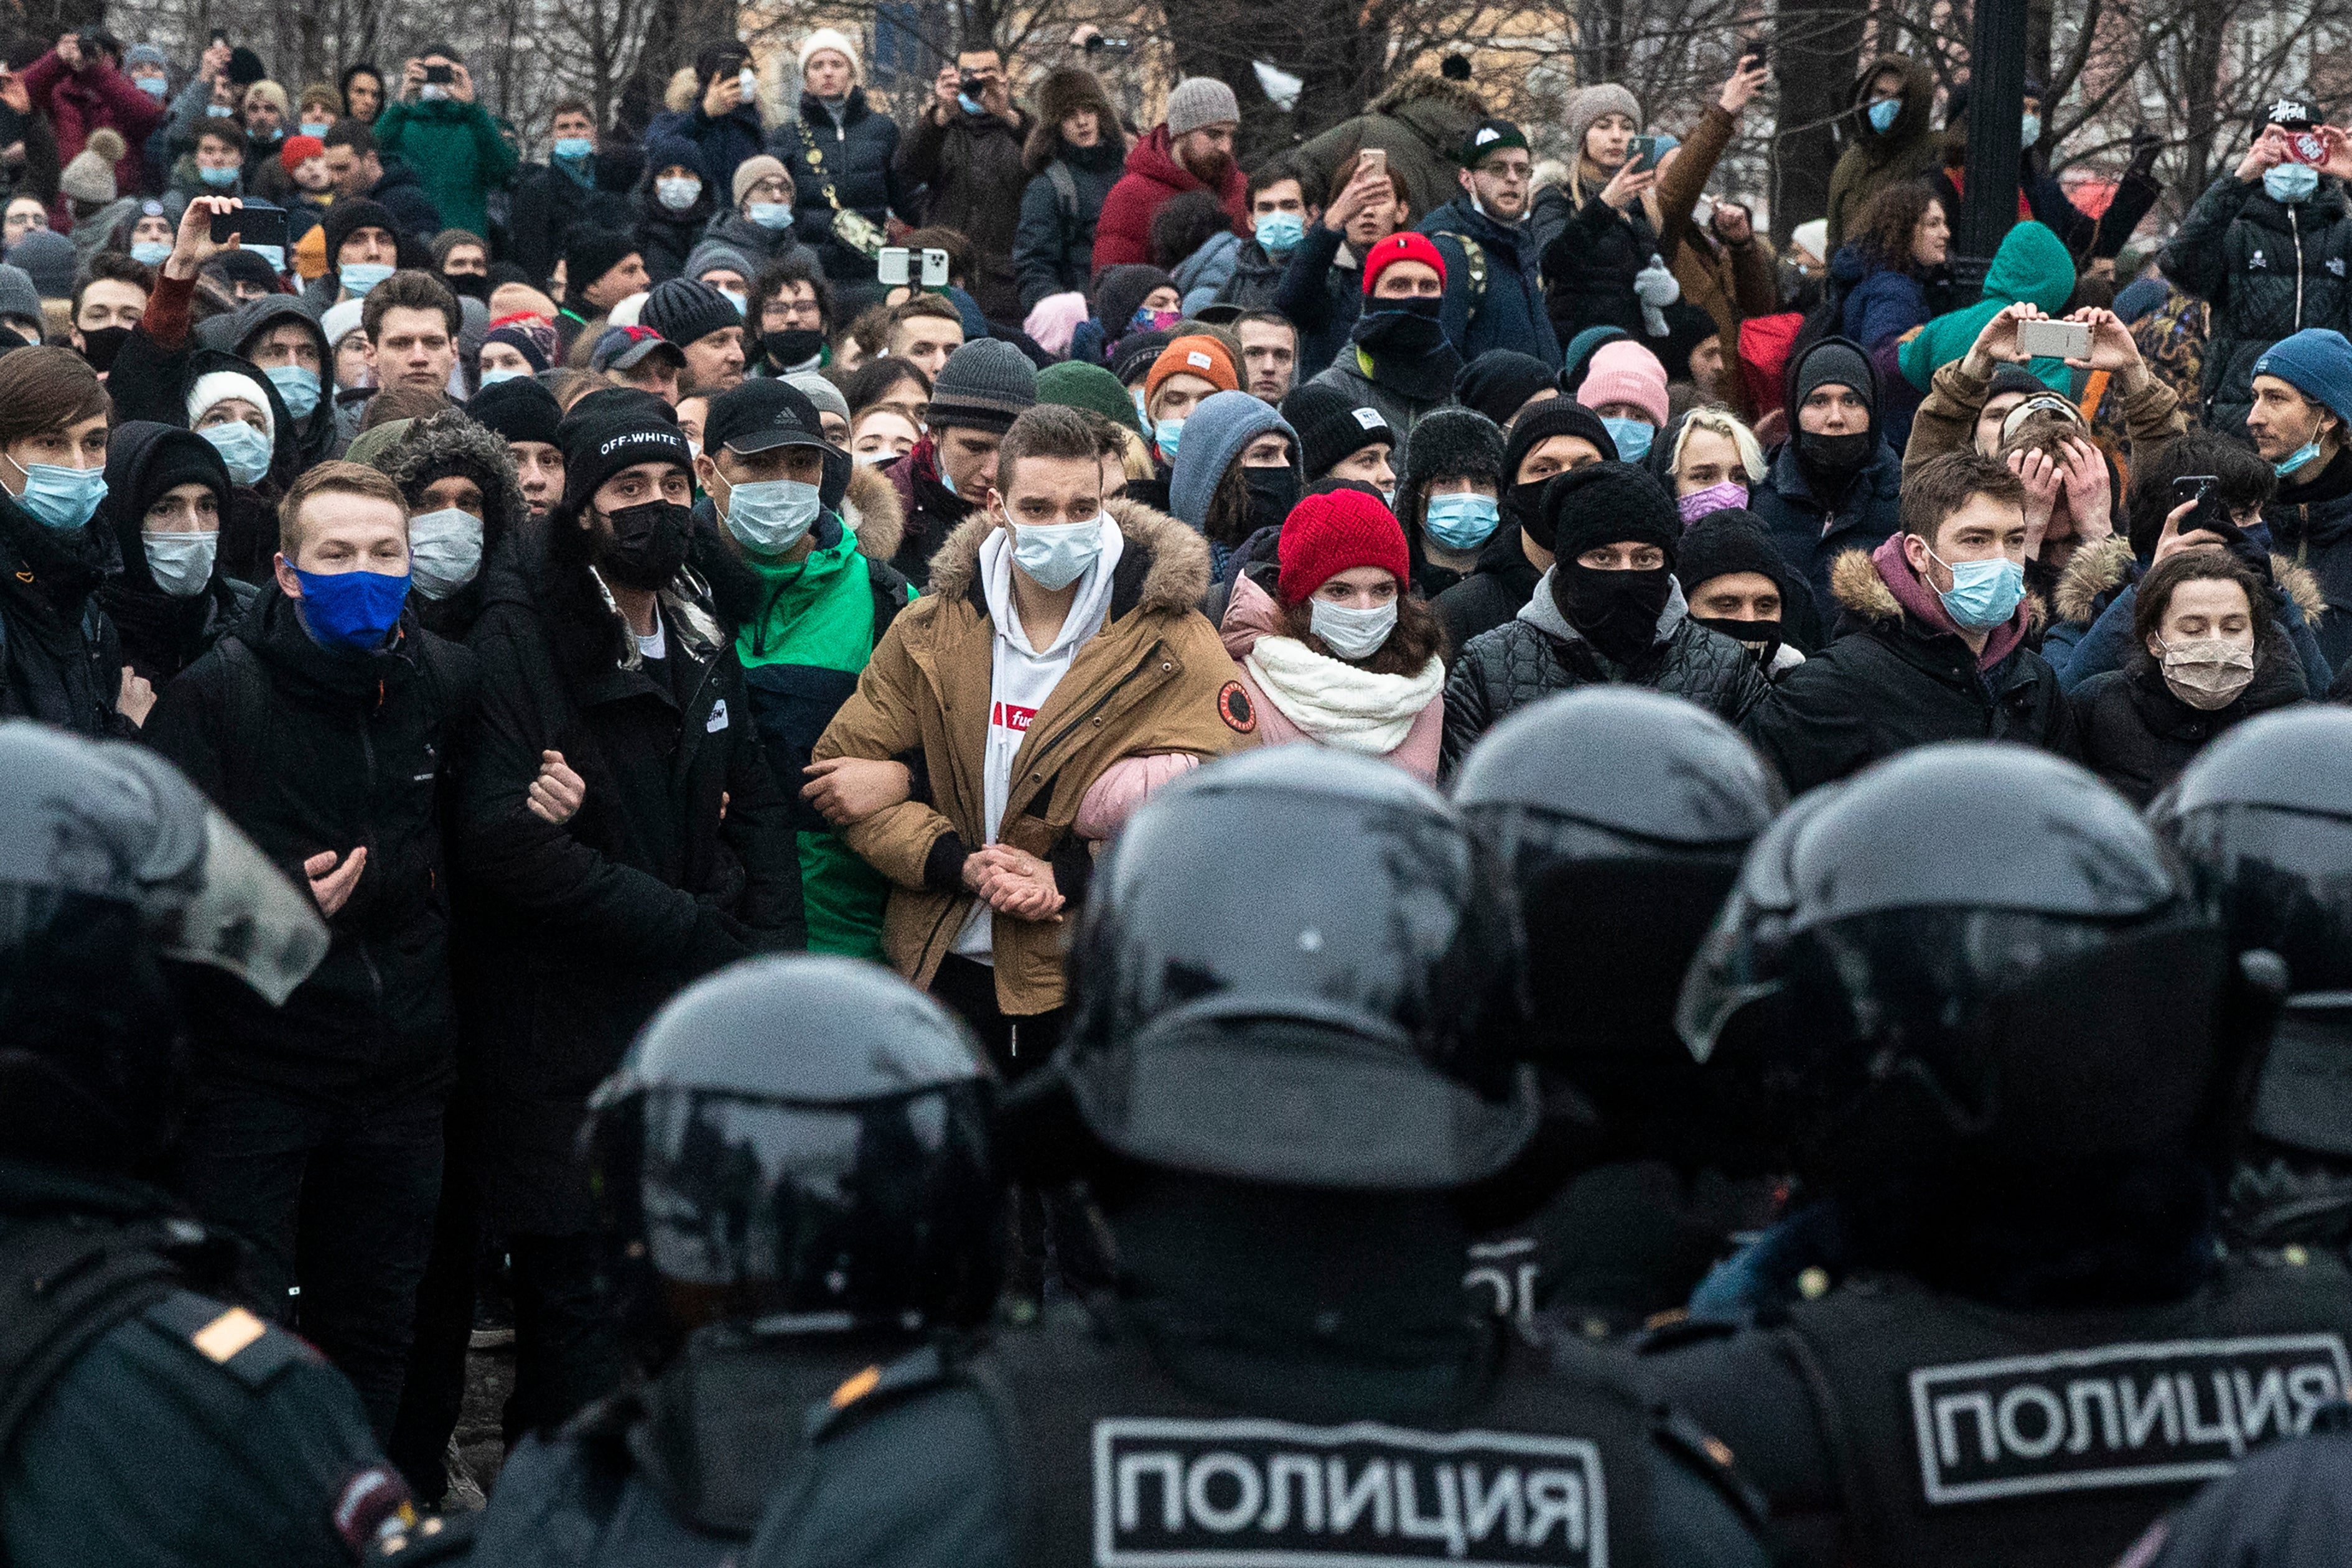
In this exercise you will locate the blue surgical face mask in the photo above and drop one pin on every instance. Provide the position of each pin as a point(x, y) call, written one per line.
point(2296, 459)
point(359, 277)
point(742, 303)
point(970, 104)
point(244, 449)
point(1164, 433)
point(219, 179)
point(1460, 521)
point(445, 550)
point(1278, 234)
point(273, 253)
point(59, 497)
point(503, 372)
point(770, 516)
point(181, 563)
point(151, 252)
point(1984, 593)
point(298, 387)
point(1056, 555)
point(1632, 437)
point(771, 215)
point(573, 147)
point(2291, 182)
point(155, 86)
point(313, 128)
point(354, 611)
point(2028, 131)
point(1884, 114)
point(219, 111)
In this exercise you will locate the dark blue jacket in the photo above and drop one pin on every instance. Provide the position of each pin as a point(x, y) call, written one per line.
point(1508, 314)
point(1879, 304)
point(1812, 535)
point(724, 142)
point(1321, 299)
point(854, 157)
point(2318, 536)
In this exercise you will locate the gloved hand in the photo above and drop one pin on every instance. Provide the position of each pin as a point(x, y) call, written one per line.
point(1656, 288)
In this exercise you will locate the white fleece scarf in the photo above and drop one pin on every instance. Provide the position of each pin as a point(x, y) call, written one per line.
point(1337, 703)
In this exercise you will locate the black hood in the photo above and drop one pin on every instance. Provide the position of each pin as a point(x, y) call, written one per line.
point(143, 460)
point(286, 460)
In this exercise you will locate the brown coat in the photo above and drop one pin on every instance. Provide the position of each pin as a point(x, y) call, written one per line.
point(1946, 422)
point(1730, 282)
point(1153, 681)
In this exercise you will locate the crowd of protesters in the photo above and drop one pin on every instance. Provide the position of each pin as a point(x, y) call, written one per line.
point(817, 526)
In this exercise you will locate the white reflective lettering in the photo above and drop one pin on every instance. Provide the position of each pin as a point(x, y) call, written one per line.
point(1504, 1500)
point(2139, 1419)
point(1132, 1468)
point(1349, 1499)
point(1226, 1519)
point(1286, 1469)
point(1948, 1409)
point(1446, 1524)
point(2052, 1424)
point(2261, 1404)
point(2086, 1391)
point(2310, 1387)
point(2224, 1427)
point(1556, 1497)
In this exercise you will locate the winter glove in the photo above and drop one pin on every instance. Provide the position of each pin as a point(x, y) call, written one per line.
point(1656, 288)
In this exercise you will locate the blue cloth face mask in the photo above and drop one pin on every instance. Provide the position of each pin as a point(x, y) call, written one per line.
point(353, 610)
point(1632, 437)
point(502, 373)
point(244, 449)
point(313, 128)
point(1165, 433)
point(359, 277)
point(1056, 555)
point(298, 386)
point(1460, 521)
point(1884, 114)
point(771, 215)
point(2296, 459)
point(572, 148)
point(151, 252)
point(219, 179)
point(2028, 131)
point(1984, 593)
point(59, 497)
point(1278, 234)
point(155, 86)
point(770, 516)
point(2291, 182)
point(219, 111)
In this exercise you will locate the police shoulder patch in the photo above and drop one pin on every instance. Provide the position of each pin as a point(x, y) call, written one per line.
point(1233, 706)
point(230, 1338)
point(877, 1388)
point(1248, 1493)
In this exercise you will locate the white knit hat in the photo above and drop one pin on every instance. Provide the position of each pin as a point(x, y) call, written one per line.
point(340, 322)
point(836, 40)
point(218, 386)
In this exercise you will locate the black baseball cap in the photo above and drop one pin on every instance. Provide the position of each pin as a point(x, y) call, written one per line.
point(1489, 137)
point(760, 415)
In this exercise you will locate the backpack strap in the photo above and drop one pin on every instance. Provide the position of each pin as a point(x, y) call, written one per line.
point(1474, 255)
point(248, 710)
point(64, 1284)
point(1065, 189)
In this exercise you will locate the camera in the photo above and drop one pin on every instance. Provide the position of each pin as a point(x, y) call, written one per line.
point(972, 86)
point(440, 75)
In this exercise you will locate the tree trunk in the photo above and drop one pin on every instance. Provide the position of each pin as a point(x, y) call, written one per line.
point(1816, 52)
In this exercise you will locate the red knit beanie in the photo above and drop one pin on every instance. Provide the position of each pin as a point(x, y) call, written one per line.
point(1396, 247)
point(298, 148)
point(1334, 532)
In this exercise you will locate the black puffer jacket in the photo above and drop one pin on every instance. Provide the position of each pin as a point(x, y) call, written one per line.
point(1588, 270)
point(1501, 581)
point(1053, 248)
point(163, 634)
point(2268, 270)
point(2137, 735)
point(309, 750)
point(60, 661)
point(2311, 525)
point(852, 156)
point(664, 239)
point(1538, 652)
point(1890, 682)
point(434, 448)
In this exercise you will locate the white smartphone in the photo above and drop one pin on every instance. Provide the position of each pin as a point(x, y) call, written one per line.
point(935, 269)
point(890, 266)
point(2054, 339)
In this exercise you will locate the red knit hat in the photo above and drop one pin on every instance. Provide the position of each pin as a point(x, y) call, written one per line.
point(298, 149)
point(1396, 247)
point(1334, 532)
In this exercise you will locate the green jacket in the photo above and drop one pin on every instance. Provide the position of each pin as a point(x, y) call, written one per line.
point(457, 153)
point(1874, 159)
point(2033, 264)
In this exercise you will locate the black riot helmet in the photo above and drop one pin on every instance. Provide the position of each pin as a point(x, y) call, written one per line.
point(2263, 819)
point(1298, 968)
point(1968, 950)
point(799, 1145)
point(1622, 814)
point(111, 862)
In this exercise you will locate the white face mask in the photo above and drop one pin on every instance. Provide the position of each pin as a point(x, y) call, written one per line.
point(181, 563)
point(677, 193)
point(444, 550)
point(1056, 555)
point(1349, 633)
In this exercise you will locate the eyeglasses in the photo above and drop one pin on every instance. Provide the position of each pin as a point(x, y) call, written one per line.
point(769, 190)
point(794, 310)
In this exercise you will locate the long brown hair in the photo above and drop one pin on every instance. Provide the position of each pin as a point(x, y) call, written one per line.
point(1417, 637)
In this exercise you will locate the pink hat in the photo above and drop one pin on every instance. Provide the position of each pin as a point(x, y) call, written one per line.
point(1623, 372)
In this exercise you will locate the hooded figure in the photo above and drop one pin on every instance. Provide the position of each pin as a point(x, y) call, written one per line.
point(1821, 495)
point(1876, 156)
point(240, 333)
point(1419, 123)
point(666, 234)
point(2031, 266)
point(171, 601)
point(447, 551)
point(1054, 249)
point(248, 531)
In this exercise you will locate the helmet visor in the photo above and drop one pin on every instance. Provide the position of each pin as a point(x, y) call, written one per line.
point(248, 918)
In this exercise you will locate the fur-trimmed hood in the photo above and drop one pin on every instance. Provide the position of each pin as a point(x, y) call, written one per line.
point(1860, 590)
point(1165, 567)
point(1059, 94)
point(2099, 570)
point(1458, 97)
point(871, 508)
point(449, 443)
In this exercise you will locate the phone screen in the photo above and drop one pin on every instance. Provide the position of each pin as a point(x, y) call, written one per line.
point(1644, 153)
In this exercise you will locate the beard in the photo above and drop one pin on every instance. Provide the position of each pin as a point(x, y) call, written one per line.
point(1209, 168)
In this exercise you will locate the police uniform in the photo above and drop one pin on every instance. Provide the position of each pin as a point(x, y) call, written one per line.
point(1071, 1443)
point(1890, 1423)
point(145, 1424)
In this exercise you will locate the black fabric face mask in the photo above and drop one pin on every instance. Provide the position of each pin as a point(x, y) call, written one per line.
point(1617, 612)
point(469, 285)
point(1835, 455)
point(1272, 493)
point(648, 544)
point(1523, 506)
point(795, 345)
point(100, 346)
point(1399, 327)
point(1761, 638)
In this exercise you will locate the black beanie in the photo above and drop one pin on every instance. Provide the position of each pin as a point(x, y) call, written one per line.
point(1723, 543)
point(589, 253)
point(1452, 441)
point(603, 434)
point(1330, 425)
point(1607, 503)
point(1121, 291)
point(519, 409)
point(1833, 362)
point(2014, 378)
point(1559, 416)
point(1497, 381)
point(345, 216)
point(687, 310)
point(172, 460)
point(1135, 353)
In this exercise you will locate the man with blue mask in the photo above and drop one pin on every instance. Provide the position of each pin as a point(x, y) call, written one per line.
point(1279, 213)
point(2303, 407)
point(1497, 302)
point(1936, 642)
point(283, 341)
point(1449, 496)
point(1889, 140)
point(805, 577)
point(362, 250)
point(577, 184)
point(322, 725)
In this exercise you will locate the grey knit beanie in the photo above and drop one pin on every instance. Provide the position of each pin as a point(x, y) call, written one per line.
point(1587, 104)
point(1224, 425)
point(813, 386)
point(1201, 101)
point(46, 258)
point(984, 386)
point(685, 311)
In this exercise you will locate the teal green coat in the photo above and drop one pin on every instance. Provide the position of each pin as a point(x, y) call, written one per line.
point(458, 153)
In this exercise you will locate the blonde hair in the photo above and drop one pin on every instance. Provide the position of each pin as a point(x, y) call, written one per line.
point(1724, 424)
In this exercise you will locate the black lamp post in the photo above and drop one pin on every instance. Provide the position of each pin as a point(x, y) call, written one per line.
point(1996, 108)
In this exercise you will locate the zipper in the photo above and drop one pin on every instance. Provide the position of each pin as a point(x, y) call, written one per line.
point(2296, 230)
point(1110, 691)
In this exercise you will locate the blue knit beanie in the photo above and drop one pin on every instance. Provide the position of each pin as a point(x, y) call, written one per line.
point(2315, 361)
point(1218, 429)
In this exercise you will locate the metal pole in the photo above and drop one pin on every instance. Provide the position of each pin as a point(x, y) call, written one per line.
point(1996, 107)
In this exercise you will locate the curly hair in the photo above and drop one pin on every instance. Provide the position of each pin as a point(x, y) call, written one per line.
point(1889, 222)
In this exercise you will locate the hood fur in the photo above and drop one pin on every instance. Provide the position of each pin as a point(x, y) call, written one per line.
point(1174, 582)
point(684, 91)
point(871, 508)
point(1058, 95)
point(2107, 565)
point(448, 443)
point(1457, 95)
point(1855, 584)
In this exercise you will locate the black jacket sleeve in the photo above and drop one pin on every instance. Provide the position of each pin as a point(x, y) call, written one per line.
point(759, 828)
point(1302, 294)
